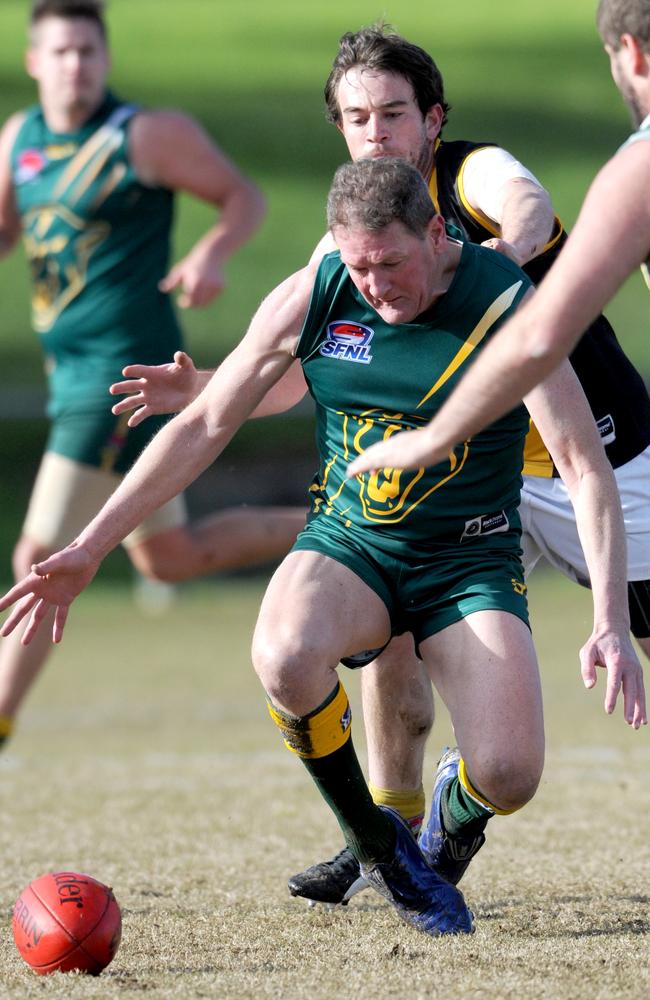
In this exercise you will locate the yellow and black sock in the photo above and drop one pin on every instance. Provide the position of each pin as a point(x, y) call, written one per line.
point(323, 742)
point(409, 804)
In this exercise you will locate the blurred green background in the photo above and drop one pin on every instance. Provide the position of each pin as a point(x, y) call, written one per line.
point(532, 77)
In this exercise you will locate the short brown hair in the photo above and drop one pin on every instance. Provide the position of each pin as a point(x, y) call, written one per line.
point(380, 48)
point(624, 17)
point(372, 193)
point(91, 10)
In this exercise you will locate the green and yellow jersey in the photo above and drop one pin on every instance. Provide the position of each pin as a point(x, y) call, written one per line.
point(370, 380)
point(97, 241)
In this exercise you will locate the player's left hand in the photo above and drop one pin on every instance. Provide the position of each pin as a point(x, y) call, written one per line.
point(406, 450)
point(501, 246)
point(198, 278)
point(611, 648)
point(52, 584)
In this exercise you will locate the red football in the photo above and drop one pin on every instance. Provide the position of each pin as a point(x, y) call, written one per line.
point(65, 921)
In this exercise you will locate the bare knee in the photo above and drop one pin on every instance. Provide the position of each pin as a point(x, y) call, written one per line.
point(162, 557)
point(508, 783)
point(296, 672)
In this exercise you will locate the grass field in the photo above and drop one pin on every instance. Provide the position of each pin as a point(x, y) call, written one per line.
point(145, 757)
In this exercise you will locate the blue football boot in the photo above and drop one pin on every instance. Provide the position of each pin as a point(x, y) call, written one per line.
point(420, 896)
point(448, 855)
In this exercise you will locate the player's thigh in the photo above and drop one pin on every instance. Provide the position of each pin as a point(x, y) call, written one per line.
point(319, 606)
point(66, 496)
point(485, 669)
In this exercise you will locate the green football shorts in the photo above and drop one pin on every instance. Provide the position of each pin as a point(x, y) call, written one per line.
point(100, 439)
point(427, 588)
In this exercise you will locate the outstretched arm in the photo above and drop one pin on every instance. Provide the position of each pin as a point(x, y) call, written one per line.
point(561, 413)
point(610, 239)
point(173, 459)
point(155, 389)
point(171, 150)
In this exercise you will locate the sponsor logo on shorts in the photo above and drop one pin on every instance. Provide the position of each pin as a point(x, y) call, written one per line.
point(606, 429)
point(346, 719)
point(348, 341)
point(518, 586)
point(30, 164)
point(485, 524)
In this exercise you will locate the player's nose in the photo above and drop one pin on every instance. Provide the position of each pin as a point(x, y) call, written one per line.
point(376, 129)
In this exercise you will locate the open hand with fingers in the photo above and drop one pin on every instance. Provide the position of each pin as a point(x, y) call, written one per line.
point(52, 585)
point(198, 278)
point(155, 389)
point(610, 647)
point(406, 450)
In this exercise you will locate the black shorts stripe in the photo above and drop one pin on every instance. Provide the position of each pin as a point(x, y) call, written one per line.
point(638, 593)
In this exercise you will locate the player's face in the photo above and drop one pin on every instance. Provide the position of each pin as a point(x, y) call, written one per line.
point(397, 272)
point(380, 117)
point(69, 61)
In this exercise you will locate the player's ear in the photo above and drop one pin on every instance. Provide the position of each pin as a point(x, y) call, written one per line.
point(433, 121)
point(436, 230)
point(633, 52)
point(31, 62)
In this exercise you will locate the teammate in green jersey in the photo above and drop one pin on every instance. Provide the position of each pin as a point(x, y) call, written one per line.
point(89, 181)
point(610, 240)
point(397, 284)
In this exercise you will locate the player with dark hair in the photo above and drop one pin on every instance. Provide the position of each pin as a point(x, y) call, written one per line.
point(88, 181)
point(383, 332)
point(610, 240)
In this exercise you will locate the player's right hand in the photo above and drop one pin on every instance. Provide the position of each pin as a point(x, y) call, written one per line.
point(52, 585)
point(155, 389)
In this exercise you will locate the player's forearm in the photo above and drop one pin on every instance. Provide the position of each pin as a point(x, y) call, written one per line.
point(527, 219)
point(240, 216)
point(599, 520)
point(172, 460)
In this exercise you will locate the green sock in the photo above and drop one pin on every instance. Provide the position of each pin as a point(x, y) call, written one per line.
point(461, 814)
point(322, 741)
point(368, 832)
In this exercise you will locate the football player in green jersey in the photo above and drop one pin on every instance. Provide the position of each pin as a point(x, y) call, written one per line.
point(610, 240)
point(386, 96)
point(383, 332)
point(88, 181)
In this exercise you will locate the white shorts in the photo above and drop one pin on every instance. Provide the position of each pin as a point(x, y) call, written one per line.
point(67, 495)
point(549, 524)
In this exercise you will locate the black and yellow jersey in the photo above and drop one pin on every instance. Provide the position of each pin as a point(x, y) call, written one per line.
point(614, 389)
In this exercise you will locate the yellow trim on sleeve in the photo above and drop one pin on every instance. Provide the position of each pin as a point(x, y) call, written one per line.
point(488, 223)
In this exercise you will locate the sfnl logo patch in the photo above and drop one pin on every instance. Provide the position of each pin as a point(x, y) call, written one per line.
point(347, 341)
